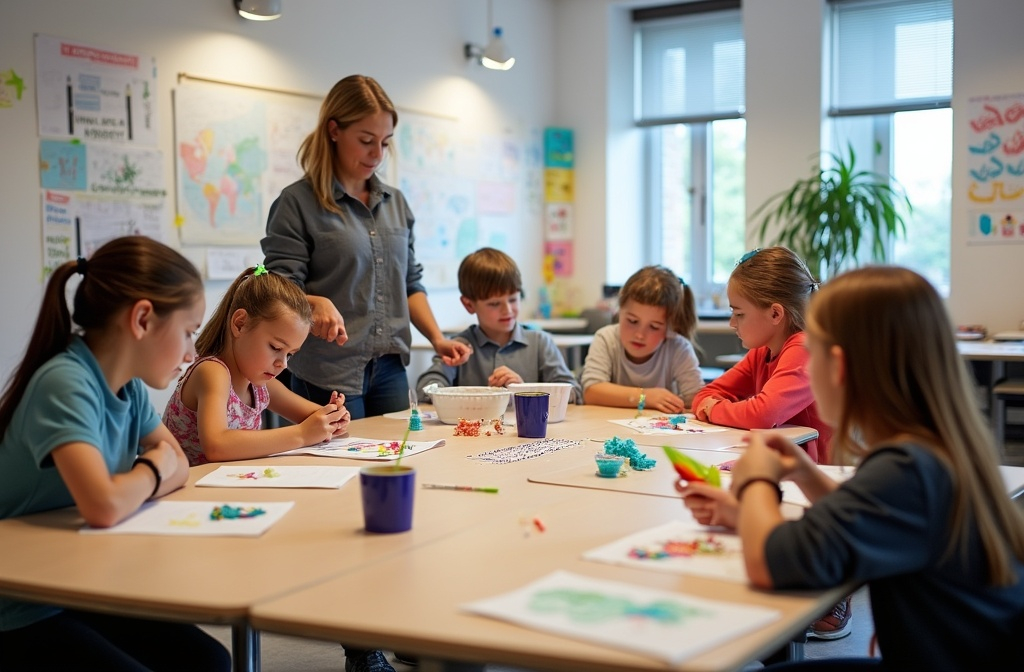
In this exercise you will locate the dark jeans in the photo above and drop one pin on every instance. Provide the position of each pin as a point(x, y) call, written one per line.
point(385, 389)
point(79, 640)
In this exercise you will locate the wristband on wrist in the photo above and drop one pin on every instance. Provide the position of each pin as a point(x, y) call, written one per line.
point(758, 479)
point(152, 467)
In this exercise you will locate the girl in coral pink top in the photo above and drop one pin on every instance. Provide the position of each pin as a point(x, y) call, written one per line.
point(768, 293)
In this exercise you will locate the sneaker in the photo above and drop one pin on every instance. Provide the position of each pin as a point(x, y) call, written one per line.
point(835, 624)
point(367, 661)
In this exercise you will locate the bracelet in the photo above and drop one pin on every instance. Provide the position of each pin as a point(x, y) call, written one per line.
point(156, 472)
point(759, 479)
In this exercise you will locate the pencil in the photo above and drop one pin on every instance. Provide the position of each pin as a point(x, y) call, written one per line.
point(463, 488)
point(71, 107)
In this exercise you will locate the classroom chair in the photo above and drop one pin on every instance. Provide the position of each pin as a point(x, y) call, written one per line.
point(1008, 390)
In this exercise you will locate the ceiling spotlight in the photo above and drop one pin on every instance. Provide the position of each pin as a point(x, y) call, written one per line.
point(258, 10)
point(495, 55)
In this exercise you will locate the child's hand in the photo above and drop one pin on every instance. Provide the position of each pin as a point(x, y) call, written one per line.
point(708, 504)
point(703, 412)
point(502, 376)
point(453, 352)
point(164, 457)
point(340, 425)
point(323, 423)
point(660, 399)
point(760, 460)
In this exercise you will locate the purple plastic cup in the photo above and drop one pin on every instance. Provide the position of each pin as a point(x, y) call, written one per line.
point(532, 414)
point(387, 498)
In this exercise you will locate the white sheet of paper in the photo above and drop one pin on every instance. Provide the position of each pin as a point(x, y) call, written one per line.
point(356, 448)
point(195, 519)
point(659, 424)
point(265, 476)
point(664, 625)
point(728, 565)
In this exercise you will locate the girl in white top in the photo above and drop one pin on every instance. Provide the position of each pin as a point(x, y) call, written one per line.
point(647, 360)
point(260, 323)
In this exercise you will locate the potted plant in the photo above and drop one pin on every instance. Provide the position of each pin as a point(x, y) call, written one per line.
point(827, 216)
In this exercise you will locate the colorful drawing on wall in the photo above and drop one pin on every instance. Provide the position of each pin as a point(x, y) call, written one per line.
point(680, 547)
point(995, 144)
point(12, 87)
point(558, 221)
point(664, 625)
point(561, 252)
point(558, 148)
point(559, 185)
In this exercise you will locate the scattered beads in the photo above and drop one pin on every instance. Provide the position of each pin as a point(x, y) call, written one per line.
point(227, 512)
point(679, 549)
point(473, 427)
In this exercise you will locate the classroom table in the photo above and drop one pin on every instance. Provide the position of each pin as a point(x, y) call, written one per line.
point(994, 355)
point(319, 547)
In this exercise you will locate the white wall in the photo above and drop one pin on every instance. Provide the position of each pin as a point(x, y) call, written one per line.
point(988, 53)
point(414, 48)
point(784, 114)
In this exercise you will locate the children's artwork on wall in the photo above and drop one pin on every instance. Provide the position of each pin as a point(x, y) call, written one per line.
point(204, 519)
point(995, 166)
point(561, 252)
point(558, 221)
point(558, 148)
point(664, 625)
point(559, 185)
point(681, 547)
point(12, 88)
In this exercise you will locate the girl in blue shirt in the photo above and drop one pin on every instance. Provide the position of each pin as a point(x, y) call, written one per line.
point(77, 428)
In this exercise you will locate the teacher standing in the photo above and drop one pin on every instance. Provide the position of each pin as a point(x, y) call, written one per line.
point(346, 238)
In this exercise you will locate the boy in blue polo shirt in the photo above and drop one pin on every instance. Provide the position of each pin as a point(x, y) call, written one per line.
point(503, 352)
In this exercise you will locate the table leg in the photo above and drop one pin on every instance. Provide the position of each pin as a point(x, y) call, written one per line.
point(245, 648)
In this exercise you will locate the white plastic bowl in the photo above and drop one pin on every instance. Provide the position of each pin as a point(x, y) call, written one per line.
point(557, 402)
point(471, 403)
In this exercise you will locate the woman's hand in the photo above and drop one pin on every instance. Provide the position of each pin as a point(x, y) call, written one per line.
point(708, 504)
point(453, 352)
point(328, 323)
point(660, 399)
point(502, 376)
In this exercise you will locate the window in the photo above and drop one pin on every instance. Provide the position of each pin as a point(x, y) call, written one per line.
point(890, 98)
point(690, 97)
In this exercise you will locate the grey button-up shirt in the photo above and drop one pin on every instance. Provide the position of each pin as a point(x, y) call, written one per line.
point(362, 260)
point(530, 353)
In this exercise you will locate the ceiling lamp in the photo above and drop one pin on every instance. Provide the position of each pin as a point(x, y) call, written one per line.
point(258, 10)
point(495, 55)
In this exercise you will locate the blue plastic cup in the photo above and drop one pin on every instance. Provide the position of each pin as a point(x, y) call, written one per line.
point(387, 498)
point(532, 414)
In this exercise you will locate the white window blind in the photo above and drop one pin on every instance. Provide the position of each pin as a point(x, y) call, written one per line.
point(690, 68)
point(891, 55)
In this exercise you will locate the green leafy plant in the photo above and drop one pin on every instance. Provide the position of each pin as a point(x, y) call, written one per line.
point(826, 217)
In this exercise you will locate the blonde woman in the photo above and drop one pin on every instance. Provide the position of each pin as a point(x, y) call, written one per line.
point(925, 521)
point(346, 239)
